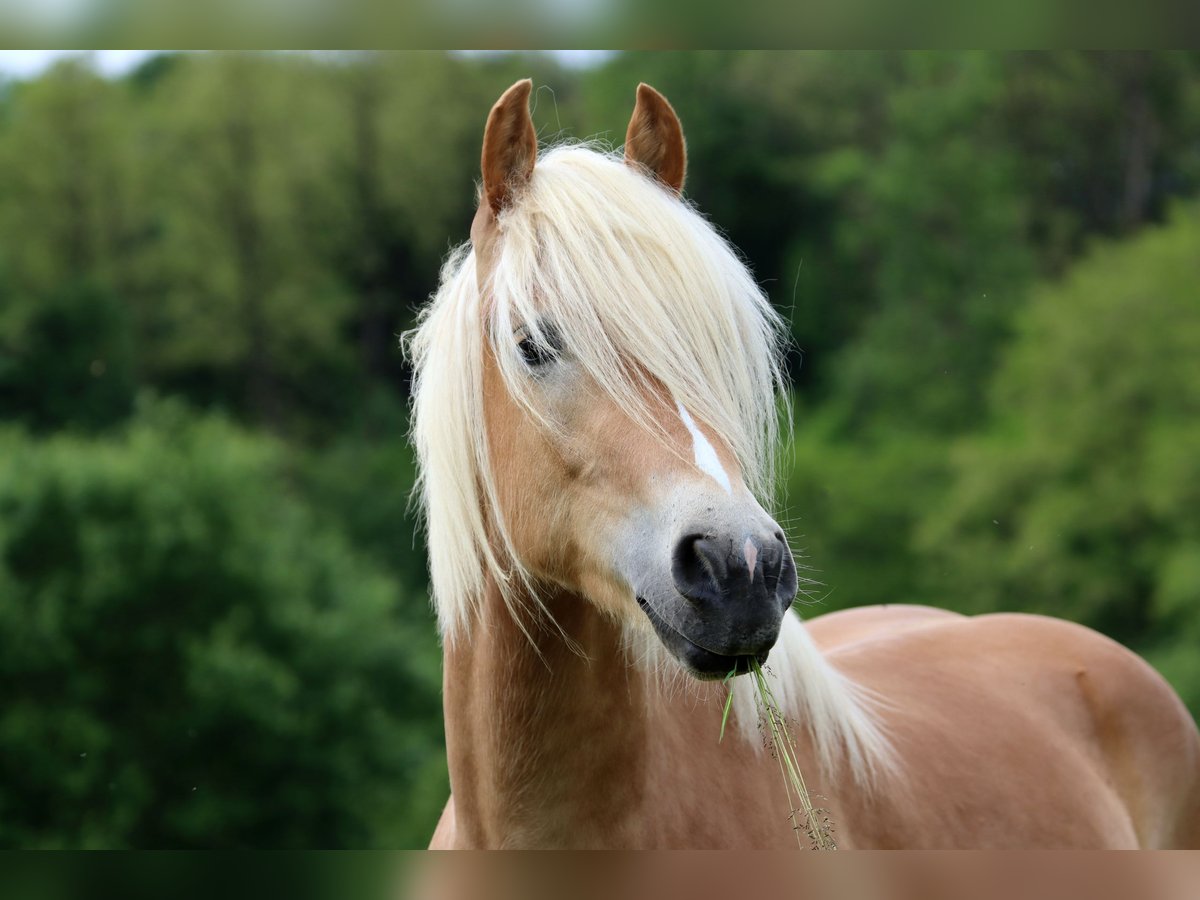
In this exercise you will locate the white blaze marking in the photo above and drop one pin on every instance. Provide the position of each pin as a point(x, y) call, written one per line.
point(706, 456)
point(751, 555)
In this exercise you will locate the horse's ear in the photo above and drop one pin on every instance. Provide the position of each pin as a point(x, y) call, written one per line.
point(654, 140)
point(509, 146)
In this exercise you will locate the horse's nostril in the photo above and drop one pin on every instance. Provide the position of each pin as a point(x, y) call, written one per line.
point(724, 574)
point(697, 568)
point(785, 580)
point(771, 562)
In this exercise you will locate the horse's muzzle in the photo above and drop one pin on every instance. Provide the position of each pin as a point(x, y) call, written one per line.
point(732, 594)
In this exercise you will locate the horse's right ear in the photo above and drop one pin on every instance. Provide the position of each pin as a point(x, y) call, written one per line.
point(509, 147)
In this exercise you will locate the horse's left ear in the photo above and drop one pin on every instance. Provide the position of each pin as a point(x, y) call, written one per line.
point(654, 139)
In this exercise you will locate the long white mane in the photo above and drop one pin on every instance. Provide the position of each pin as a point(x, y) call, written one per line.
point(629, 273)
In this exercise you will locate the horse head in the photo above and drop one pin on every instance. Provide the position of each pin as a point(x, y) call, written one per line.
point(622, 368)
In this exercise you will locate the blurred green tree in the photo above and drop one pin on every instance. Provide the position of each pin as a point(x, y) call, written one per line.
point(849, 508)
point(944, 222)
point(1079, 499)
point(193, 658)
point(247, 316)
point(67, 362)
point(70, 207)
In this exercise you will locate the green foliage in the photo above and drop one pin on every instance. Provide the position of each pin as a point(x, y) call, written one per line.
point(944, 220)
point(67, 361)
point(363, 481)
point(72, 215)
point(193, 657)
point(1080, 498)
point(245, 314)
point(849, 508)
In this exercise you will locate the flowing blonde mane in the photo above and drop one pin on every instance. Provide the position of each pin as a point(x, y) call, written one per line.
point(628, 273)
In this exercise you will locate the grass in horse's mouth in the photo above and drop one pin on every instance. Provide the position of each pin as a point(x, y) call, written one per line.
point(813, 821)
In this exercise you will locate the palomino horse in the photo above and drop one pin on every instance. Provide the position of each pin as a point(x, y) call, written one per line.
point(596, 394)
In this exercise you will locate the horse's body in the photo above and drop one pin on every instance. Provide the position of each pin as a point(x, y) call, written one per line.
point(592, 542)
point(1011, 731)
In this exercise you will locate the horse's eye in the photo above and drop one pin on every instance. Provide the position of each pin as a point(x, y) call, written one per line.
point(535, 354)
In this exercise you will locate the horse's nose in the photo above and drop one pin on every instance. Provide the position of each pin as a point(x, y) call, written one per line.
point(751, 576)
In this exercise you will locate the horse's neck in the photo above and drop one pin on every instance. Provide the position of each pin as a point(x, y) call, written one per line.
point(545, 741)
point(557, 742)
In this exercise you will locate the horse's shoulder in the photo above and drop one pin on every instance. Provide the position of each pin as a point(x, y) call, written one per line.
point(1077, 677)
point(1146, 738)
point(1048, 680)
point(1119, 688)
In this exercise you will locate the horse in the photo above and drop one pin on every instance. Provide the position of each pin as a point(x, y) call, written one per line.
point(596, 398)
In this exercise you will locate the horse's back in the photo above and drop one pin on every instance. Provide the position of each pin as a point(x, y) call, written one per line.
point(865, 623)
point(1076, 723)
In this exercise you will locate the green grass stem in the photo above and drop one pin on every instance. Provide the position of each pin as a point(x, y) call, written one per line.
point(815, 822)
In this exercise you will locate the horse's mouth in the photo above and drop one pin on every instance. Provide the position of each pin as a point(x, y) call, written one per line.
point(699, 661)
